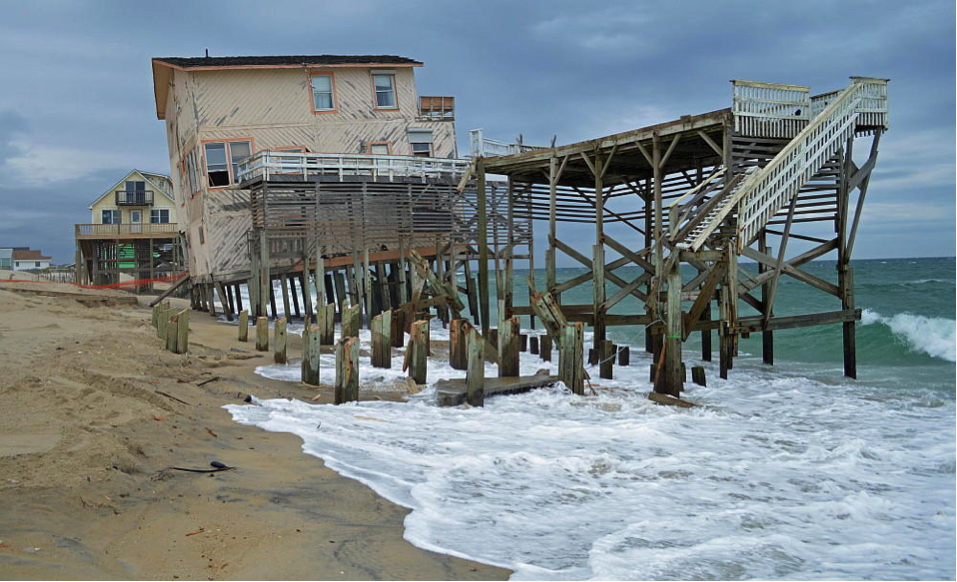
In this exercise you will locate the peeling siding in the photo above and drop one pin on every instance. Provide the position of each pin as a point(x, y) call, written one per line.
point(273, 107)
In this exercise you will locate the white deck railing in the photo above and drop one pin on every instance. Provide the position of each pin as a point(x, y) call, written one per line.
point(269, 165)
point(766, 191)
point(483, 147)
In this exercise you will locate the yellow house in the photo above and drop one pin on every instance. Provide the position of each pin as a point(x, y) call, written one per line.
point(138, 198)
point(133, 234)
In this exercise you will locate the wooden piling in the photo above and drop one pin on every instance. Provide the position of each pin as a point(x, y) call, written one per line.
point(326, 320)
point(351, 321)
point(419, 352)
point(182, 332)
point(475, 373)
point(172, 334)
point(606, 360)
point(508, 348)
point(458, 339)
point(284, 286)
point(381, 340)
point(243, 325)
point(545, 348)
point(522, 342)
point(294, 295)
point(697, 375)
point(310, 354)
point(533, 345)
point(571, 369)
point(279, 341)
point(397, 334)
point(347, 370)
point(624, 356)
point(262, 334)
point(224, 301)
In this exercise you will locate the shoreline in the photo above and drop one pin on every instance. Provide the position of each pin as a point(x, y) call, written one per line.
point(93, 414)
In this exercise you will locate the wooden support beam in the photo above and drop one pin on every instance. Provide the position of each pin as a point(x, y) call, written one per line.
point(418, 352)
point(458, 338)
point(351, 321)
point(571, 370)
point(347, 370)
point(243, 325)
point(606, 360)
point(262, 334)
point(475, 373)
point(310, 354)
point(326, 320)
point(508, 348)
point(382, 340)
point(279, 341)
point(545, 348)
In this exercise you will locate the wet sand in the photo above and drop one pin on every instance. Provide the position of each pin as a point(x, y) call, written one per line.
point(86, 439)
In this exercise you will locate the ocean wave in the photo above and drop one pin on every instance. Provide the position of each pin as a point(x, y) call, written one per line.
point(934, 336)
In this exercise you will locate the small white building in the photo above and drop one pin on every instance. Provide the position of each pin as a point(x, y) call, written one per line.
point(29, 260)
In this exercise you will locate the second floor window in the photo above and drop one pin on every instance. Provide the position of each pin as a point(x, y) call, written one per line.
point(322, 96)
point(135, 192)
point(384, 91)
point(222, 161)
point(111, 217)
point(159, 216)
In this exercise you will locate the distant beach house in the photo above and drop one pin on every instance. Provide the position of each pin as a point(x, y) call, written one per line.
point(138, 198)
point(132, 233)
point(221, 110)
point(24, 259)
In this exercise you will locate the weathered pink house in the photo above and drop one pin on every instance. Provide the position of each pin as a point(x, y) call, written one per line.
point(221, 110)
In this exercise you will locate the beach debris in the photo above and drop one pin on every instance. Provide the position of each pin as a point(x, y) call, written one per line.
point(160, 418)
point(197, 532)
point(171, 397)
point(211, 433)
point(361, 417)
point(248, 399)
point(205, 382)
point(217, 467)
point(659, 398)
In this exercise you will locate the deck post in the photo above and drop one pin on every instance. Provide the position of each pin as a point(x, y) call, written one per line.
point(545, 347)
point(243, 325)
point(265, 289)
point(310, 354)
point(262, 333)
point(295, 296)
point(351, 318)
point(767, 335)
point(483, 244)
point(845, 274)
point(279, 341)
point(508, 348)
point(381, 340)
point(347, 370)
point(606, 360)
point(706, 334)
point(671, 379)
point(475, 374)
point(571, 369)
point(325, 319)
point(284, 284)
point(458, 337)
point(419, 352)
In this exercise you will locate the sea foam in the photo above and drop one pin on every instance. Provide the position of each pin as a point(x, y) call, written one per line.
point(775, 476)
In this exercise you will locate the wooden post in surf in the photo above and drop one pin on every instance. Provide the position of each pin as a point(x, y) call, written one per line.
point(475, 374)
point(381, 340)
point(262, 333)
point(508, 354)
point(606, 360)
point(326, 319)
point(459, 331)
point(419, 352)
point(347, 370)
point(310, 354)
point(571, 369)
point(397, 333)
point(697, 375)
point(545, 347)
point(279, 341)
point(351, 321)
point(243, 325)
point(624, 356)
point(533, 345)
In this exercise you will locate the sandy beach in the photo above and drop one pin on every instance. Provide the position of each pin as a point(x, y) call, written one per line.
point(94, 413)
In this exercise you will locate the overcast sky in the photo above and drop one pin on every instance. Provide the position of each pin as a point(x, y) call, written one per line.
point(77, 112)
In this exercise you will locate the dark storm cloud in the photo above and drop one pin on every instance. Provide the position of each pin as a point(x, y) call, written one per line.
point(78, 86)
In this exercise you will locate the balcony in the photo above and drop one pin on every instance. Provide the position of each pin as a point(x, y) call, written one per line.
point(295, 166)
point(436, 109)
point(124, 231)
point(134, 197)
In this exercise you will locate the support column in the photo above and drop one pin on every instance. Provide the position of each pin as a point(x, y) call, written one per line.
point(598, 257)
point(845, 275)
point(767, 336)
point(483, 245)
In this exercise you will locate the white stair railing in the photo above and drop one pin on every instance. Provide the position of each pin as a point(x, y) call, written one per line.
point(765, 192)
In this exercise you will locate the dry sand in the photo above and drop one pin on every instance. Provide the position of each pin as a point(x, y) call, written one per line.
point(86, 436)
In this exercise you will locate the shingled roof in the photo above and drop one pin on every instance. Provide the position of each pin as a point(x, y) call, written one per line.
point(29, 255)
point(280, 61)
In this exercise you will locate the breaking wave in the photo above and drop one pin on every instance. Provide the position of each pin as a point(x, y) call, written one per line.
point(934, 336)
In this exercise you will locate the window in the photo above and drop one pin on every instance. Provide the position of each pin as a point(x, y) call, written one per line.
point(378, 148)
point(322, 93)
point(111, 217)
point(37, 263)
point(222, 161)
point(384, 91)
point(159, 216)
point(421, 140)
